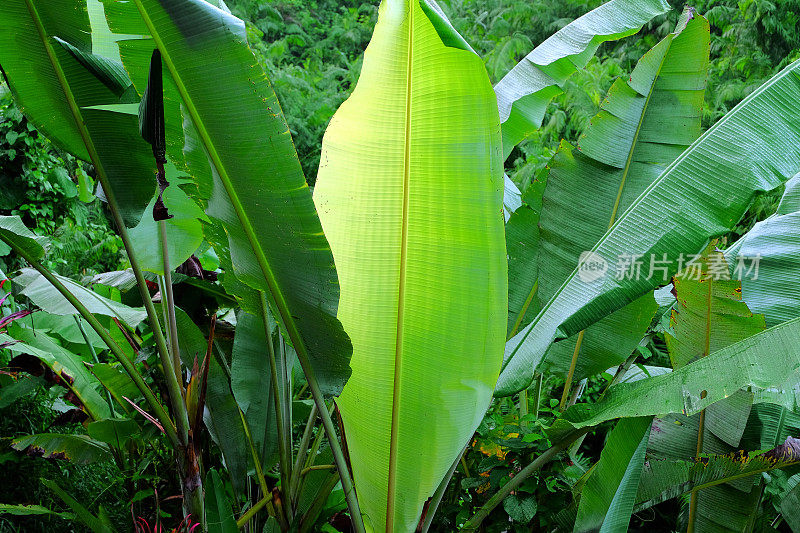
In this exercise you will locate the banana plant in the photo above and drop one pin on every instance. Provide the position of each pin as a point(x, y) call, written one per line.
point(627, 144)
point(264, 258)
point(286, 258)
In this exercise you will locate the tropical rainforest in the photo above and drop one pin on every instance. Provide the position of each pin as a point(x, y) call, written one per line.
point(399, 266)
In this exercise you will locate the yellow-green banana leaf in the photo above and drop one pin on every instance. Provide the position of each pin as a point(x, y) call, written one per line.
point(409, 193)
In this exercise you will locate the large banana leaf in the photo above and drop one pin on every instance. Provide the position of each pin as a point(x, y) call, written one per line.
point(90, 111)
point(70, 94)
point(703, 193)
point(769, 359)
point(409, 192)
point(609, 494)
point(523, 93)
point(644, 123)
point(258, 192)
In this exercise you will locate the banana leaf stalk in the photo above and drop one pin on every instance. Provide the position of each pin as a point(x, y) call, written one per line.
point(151, 127)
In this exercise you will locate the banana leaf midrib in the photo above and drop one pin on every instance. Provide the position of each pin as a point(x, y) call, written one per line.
point(393, 445)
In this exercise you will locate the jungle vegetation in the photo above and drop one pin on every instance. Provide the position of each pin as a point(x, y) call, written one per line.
point(455, 265)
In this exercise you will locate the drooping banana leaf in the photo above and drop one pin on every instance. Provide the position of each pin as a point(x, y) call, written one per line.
point(78, 449)
point(47, 297)
point(409, 192)
point(69, 94)
point(702, 194)
point(609, 494)
point(766, 360)
point(765, 260)
point(523, 93)
point(13, 229)
point(258, 192)
point(65, 328)
point(664, 479)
